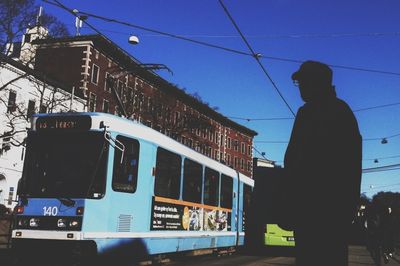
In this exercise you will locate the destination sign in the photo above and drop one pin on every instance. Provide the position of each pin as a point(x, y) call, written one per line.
point(64, 123)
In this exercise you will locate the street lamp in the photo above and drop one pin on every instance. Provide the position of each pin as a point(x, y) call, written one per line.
point(133, 40)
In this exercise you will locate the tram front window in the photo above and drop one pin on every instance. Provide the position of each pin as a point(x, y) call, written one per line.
point(65, 164)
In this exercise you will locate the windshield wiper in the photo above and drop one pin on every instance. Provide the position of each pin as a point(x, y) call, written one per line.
point(67, 202)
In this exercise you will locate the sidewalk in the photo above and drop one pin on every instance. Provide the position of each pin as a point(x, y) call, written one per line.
point(359, 255)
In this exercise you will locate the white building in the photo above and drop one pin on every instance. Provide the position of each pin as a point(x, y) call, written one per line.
point(26, 92)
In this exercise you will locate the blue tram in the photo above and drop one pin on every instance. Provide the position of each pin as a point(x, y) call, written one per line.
point(104, 181)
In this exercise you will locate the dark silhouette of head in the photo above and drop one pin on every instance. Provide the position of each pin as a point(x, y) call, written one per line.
point(315, 81)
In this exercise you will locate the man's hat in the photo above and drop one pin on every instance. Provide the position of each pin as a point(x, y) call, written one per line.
point(315, 71)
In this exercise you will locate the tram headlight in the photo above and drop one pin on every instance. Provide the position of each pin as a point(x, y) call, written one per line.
point(22, 222)
point(34, 222)
point(61, 223)
point(74, 224)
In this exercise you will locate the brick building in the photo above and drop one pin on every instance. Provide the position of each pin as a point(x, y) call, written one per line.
point(99, 70)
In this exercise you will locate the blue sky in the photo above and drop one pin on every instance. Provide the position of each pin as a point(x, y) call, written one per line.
point(362, 34)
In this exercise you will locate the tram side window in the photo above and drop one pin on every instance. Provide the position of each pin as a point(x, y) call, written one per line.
point(126, 171)
point(226, 191)
point(168, 174)
point(247, 190)
point(192, 181)
point(211, 187)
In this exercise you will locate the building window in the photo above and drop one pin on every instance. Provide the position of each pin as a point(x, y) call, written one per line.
point(150, 105)
point(249, 150)
point(31, 109)
point(126, 169)
point(12, 104)
point(6, 145)
point(228, 159)
point(236, 145)
point(243, 148)
point(249, 166)
point(229, 143)
point(120, 89)
point(95, 74)
point(226, 191)
point(176, 118)
point(211, 187)
point(107, 82)
point(43, 109)
point(241, 164)
point(192, 181)
point(92, 102)
point(236, 162)
point(140, 102)
point(168, 174)
point(28, 38)
point(216, 137)
point(190, 143)
point(129, 95)
point(106, 106)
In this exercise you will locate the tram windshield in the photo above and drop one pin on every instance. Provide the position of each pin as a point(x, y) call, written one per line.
point(65, 164)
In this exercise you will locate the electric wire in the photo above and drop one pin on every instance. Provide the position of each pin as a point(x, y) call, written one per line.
point(260, 153)
point(381, 158)
point(248, 119)
point(262, 36)
point(182, 37)
point(366, 139)
point(379, 187)
point(381, 168)
point(175, 36)
point(256, 57)
point(389, 137)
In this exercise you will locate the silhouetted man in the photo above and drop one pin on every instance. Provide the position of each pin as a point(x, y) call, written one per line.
point(323, 163)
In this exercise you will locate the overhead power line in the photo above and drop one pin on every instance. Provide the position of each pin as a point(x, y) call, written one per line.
point(334, 66)
point(381, 168)
point(182, 37)
point(260, 119)
point(376, 107)
point(260, 153)
point(248, 119)
point(382, 158)
point(291, 36)
point(389, 137)
point(256, 56)
point(285, 142)
point(175, 36)
point(273, 36)
point(380, 187)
